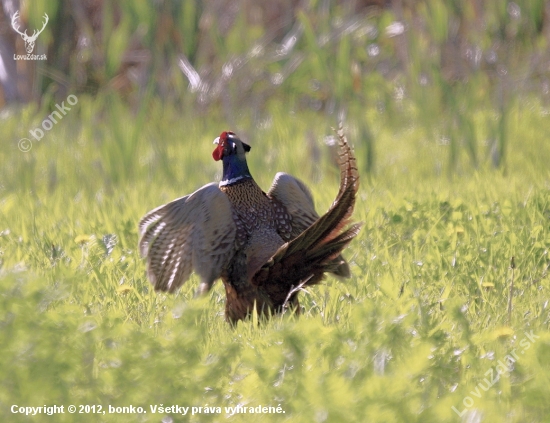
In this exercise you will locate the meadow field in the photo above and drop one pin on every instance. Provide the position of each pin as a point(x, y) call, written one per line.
point(446, 103)
point(422, 332)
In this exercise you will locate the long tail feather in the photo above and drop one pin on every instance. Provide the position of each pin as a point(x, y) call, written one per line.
point(332, 222)
point(312, 253)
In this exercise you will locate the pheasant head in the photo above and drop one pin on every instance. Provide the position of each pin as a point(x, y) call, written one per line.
point(231, 150)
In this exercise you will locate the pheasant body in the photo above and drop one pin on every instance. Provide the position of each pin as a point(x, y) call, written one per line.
point(262, 246)
point(256, 223)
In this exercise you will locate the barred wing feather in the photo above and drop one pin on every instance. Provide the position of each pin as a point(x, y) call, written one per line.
point(195, 232)
point(297, 199)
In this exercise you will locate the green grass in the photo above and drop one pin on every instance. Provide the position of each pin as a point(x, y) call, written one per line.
point(420, 324)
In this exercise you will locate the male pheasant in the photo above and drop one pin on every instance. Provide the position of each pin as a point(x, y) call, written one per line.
point(264, 247)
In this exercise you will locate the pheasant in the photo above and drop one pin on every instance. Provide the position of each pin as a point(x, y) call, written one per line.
point(264, 246)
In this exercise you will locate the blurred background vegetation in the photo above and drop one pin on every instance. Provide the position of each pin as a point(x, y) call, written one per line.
point(454, 68)
point(446, 105)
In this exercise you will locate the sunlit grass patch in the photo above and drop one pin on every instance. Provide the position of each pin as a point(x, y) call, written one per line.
point(417, 328)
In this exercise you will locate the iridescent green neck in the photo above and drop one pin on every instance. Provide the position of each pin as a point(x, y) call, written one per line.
point(235, 169)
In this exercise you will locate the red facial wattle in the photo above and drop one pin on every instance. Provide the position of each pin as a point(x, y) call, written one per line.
point(217, 154)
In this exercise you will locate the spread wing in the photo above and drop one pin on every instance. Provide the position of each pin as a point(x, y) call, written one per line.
point(195, 232)
point(296, 198)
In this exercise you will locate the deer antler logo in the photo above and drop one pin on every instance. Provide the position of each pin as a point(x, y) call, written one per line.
point(29, 41)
